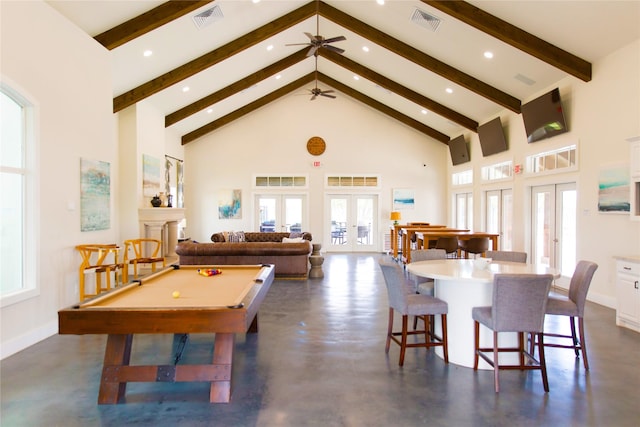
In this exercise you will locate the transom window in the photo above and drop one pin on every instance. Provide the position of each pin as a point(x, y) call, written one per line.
point(562, 158)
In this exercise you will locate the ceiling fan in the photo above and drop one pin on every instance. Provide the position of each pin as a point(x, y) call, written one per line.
point(317, 41)
point(315, 92)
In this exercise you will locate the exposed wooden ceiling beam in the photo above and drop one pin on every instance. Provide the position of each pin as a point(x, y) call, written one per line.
point(419, 126)
point(216, 124)
point(210, 127)
point(399, 89)
point(418, 57)
point(209, 59)
point(148, 21)
point(515, 37)
point(236, 87)
point(269, 71)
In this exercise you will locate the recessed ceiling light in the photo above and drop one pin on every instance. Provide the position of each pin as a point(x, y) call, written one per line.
point(488, 54)
point(449, 90)
point(147, 53)
point(255, 1)
point(423, 111)
point(185, 89)
point(278, 76)
point(270, 47)
point(355, 77)
point(380, 2)
point(365, 48)
point(210, 110)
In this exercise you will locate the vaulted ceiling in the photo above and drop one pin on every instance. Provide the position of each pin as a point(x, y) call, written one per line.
point(420, 62)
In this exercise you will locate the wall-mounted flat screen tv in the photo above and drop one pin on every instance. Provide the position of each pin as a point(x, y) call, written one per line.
point(459, 150)
point(543, 117)
point(492, 138)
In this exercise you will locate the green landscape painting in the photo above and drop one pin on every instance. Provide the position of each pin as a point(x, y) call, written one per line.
point(95, 193)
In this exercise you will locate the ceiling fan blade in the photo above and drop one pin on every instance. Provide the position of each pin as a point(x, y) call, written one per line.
point(335, 39)
point(333, 49)
point(327, 95)
point(328, 91)
point(311, 37)
point(313, 97)
point(299, 44)
point(312, 51)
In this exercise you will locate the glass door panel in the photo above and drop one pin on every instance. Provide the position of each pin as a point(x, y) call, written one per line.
point(499, 215)
point(281, 213)
point(553, 228)
point(351, 223)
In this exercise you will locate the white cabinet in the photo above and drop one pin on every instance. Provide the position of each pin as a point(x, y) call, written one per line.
point(628, 292)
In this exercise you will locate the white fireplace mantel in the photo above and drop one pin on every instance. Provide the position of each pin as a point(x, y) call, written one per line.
point(162, 224)
point(161, 214)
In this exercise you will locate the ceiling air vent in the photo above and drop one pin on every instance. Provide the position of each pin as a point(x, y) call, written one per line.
point(208, 17)
point(426, 20)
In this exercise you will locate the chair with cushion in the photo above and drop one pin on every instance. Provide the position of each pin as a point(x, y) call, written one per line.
point(474, 245)
point(510, 256)
point(449, 244)
point(404, 300)
point(424, 285)
point(573, 306)
point(94, 260)
point(145, 251)
point(518, 305)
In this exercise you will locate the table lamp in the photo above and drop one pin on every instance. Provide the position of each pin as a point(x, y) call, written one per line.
point(395, 217)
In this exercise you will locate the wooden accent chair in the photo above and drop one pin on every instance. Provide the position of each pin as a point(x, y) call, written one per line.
point(404, 300)
point(140, 247)
point(510, 256)
point(519, 304)
point(94, 257)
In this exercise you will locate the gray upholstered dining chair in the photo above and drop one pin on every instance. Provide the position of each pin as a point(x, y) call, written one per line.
point(424, 285)
point(518, 305)
point(511, 256)
point(404, 300)
point(573, 306)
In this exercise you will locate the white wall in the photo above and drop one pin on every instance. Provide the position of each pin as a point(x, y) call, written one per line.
point(601, 115)
point(68, 76)
point(273, 140)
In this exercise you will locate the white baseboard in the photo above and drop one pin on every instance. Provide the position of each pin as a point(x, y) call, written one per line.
point(13, 346)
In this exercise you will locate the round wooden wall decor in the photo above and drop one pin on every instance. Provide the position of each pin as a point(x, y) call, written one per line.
point(316, 145)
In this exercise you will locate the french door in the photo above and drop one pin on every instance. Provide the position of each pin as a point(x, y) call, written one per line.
point(280, 212)
point(553, 228)
point(499, 216)
point(351, 222)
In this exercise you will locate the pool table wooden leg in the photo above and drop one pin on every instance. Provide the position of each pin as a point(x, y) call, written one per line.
point(222, 356)
point(117, 353)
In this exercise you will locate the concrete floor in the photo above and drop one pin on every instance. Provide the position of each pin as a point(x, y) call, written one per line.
point(319, 360)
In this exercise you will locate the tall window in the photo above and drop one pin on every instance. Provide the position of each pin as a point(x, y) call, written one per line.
point(16, 182)
point(463, 210)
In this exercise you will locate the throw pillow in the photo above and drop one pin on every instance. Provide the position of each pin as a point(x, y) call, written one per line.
point(236, 236)
point(292, 240)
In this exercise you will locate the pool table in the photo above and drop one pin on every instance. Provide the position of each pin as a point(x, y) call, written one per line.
point(224, 304)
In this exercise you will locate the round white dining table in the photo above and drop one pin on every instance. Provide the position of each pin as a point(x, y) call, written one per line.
point(463, 286)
